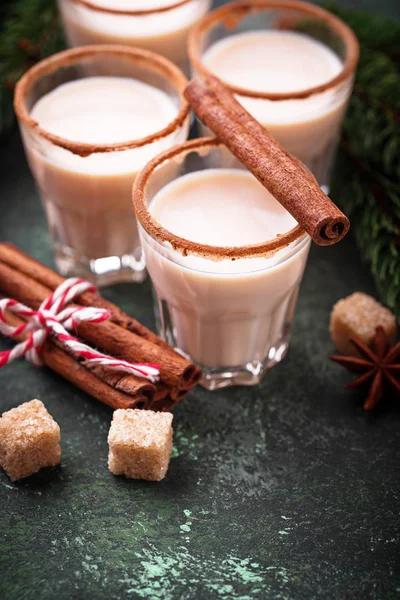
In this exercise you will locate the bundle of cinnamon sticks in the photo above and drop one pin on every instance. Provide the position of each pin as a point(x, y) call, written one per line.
point(30, 282)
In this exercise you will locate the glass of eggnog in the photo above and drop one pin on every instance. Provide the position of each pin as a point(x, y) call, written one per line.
point(290, 64)
point(161, 26)
point(90, 119)
point(225, 258)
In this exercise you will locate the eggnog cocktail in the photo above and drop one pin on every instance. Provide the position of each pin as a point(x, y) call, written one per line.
point(225, 258)
point(93, 122)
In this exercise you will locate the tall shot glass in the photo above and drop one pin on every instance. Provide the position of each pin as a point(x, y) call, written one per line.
point(273, 85)
point(86, 187)
point(230, 309)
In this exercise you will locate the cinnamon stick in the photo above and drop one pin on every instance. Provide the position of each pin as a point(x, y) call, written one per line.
point(129, 384)
point(166, 399)
point(65, 365)
point(164, 406)
point(162, 392)
point(21, 261)
point(184, 374)
point(69, 369)
point(267, 160)
point(123, 382)
point(107, 336)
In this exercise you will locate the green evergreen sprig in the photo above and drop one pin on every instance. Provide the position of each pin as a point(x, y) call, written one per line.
point(30, 32)
point(366, 181)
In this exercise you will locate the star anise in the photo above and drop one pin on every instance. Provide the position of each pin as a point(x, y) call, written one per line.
point(379, 364)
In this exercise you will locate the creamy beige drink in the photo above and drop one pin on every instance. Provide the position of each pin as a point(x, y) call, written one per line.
point(161, 26)
point(86, 138)
point(227, 315)
point(88, 201)
point(284, 61)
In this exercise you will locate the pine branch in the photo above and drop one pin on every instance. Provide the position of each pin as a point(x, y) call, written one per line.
point(373, 31)
point(367, 173)
point(30, 32)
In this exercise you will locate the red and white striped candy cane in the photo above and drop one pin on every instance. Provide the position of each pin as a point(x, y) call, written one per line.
point(53, 317)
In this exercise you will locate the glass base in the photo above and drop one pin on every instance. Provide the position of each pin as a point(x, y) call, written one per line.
point(100, 271)
point(251, 373)
point(248, 374)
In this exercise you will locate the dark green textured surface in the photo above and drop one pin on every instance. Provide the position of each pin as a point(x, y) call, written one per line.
point(287, 490)
point(284, 491)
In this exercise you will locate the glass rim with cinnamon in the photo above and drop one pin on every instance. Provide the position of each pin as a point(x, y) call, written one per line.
point(143, 58)
point(232, 13)
point(133, 12)
point(185, 246)
point(280, 173)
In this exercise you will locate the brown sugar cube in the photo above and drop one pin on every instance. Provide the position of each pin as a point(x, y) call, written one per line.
point(358, 316)
point(140, 444)
point(29, 439)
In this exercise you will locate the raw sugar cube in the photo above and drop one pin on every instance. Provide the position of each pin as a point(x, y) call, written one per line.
point(140, 444)
point(358, 316)
point(29, 439)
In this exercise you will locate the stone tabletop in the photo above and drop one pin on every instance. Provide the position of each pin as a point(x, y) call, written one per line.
point(288, 490)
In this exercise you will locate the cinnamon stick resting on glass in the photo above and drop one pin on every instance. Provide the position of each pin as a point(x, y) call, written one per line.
point(283, 176)
point(30, 282)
